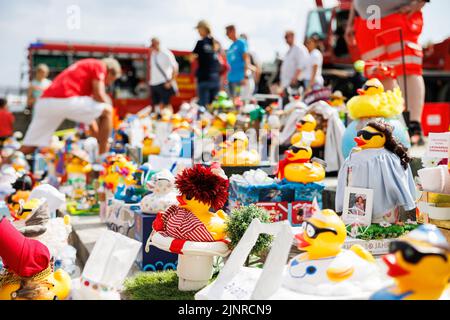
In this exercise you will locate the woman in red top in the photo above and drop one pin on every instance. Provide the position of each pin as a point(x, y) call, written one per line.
point(6, 121)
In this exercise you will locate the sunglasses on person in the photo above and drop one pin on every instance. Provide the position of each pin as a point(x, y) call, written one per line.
point(313, 232)
point(411, 254)
point(367, 135)
point(297, 149)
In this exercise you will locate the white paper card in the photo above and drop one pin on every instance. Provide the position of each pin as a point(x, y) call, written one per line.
point(438, 145)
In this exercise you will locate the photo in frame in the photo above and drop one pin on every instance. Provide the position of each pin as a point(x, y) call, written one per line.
point(358, 206)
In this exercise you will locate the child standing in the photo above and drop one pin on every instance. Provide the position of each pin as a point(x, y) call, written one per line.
point(6, 121)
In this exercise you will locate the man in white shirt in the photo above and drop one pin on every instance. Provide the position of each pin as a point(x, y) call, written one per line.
point(163, 71)
point(293, 65)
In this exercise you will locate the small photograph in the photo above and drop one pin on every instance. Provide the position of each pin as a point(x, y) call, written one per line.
point(358, 204)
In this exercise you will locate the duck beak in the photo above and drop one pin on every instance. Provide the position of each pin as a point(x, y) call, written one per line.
point(301, 242)
point(288, 154)
point(360, 142)
point(298, 126)
point(361, 92)
point(394, 270)
point(181, 201)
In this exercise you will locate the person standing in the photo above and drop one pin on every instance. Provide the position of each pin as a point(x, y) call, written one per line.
point(208, 71)
point(78, 94)
point(313, 68)
point(253, 73)
point(38, 85)
point(6, 120)
point(399, 20)
point(293, 65)
point(237, 57)
point(163, 72)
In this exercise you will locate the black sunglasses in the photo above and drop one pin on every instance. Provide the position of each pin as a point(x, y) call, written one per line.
point(411, 254)
point(313, 232)
point(367, 135)
point(365, 87)
point(297, 149)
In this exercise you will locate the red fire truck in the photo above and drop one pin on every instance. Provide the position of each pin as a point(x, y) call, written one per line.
point(130, 93)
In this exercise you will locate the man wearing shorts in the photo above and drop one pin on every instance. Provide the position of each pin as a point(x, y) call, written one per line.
point(78, 94)
point(400, 20)
point(163, 72)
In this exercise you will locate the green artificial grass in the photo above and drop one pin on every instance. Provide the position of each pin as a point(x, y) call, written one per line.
point(377, 232)
point(161, 285)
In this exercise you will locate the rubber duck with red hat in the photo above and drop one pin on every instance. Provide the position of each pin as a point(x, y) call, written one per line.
point(28, 272)
point(201, 188)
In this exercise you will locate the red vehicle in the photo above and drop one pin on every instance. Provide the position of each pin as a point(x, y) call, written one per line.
point(330, 24)
point(131, 92)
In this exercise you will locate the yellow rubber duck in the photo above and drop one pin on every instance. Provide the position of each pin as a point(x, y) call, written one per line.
point(419, 262)
point(297, 167)
point(373, 101)
point(148, 147)
point(117, 170)
point(370, 138)
point(29, 273)
point(220, 123)
point(323, 259)
point(236, 153)
point(201, 188)
point(47, 285)
point(309, 124)
point(78, 163)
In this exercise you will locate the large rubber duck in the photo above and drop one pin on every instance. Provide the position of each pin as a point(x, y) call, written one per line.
point(373, 101)
point(235, 152)
point(325, 268)
point(297, 165)
point(307, 126)
point(200, 189)
point(29, 273)
point(419, 262)
point(381, 163)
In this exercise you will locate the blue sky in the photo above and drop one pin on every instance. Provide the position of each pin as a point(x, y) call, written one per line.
point(135, 21)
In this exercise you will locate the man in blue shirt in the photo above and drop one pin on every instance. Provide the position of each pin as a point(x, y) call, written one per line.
point(238, 59)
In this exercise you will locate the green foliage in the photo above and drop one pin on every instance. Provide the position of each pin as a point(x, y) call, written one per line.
point(240, 220)
point(161, 285)
point(377, 232)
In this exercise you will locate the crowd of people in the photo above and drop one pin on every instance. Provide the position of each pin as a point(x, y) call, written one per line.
point(79, 92)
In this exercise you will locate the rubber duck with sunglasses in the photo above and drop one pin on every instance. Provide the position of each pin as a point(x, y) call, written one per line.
point(325, 268)
point(308, 125)
point(380, 163)
point(419, 262)
point(297, 165)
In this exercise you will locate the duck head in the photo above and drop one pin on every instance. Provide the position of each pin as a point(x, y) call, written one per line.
point(420, 260)
point(323, 235)
point(240, 141)
point(307, 123)
point(298, 152)
point(371, 87)
point(370, 138)
point(192, 204)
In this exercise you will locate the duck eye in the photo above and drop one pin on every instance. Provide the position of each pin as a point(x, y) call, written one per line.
point(310, 231)
point(189, 198)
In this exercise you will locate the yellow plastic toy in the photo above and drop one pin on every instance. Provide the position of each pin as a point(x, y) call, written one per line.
point(419, 262)
point(148, 146)
point(370, 138)
point(236, 153)
point(29, 273)
point(373, 101)
point(309, 124)
point(324, 262)
point(200, 189)
point(117, 170)
point(220, 123)
point(297, 167)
